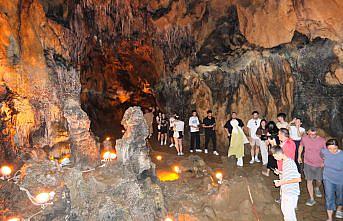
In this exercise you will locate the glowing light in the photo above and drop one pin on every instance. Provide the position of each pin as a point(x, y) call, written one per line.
point(5, 170)
point(14, 219)
point(44, 197)
point(168, 219)
point(108, 138)
point(165, 176)
point(159, 157)
point(123, 131)
point(177, 169)
point(219, 177)
point(108, 156)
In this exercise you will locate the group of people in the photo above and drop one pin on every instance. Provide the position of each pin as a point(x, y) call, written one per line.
point(286, 148)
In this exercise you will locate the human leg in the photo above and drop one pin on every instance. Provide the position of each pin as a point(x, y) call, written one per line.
point(264, 153)
point(192, 141)
point(197, 140)
point(288, 205)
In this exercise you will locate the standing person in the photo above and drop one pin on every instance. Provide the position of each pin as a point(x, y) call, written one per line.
point(234, 129)
point(289, 184)
point(209, 123)
point(253, 124)
point(164, 129)
point(333, 178)
point(287, 144)
point(158, 122)
point(313, 163)
point(194, 124)
point(281, 118)
point(273, 139)
point(261, 133)
point(178, 134)
point(171, 130)
point(296, 132)
point(149, 118)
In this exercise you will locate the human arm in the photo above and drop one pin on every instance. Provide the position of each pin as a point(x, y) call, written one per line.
point(283, 182)
point(300, 151)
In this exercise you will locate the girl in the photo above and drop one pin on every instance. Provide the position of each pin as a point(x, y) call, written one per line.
point(158, 122)
point(272, 135)
point(164, 129)
point(178, 134)
point(262, 135)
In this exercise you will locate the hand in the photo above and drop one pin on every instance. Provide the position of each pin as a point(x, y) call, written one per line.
point(300, 160)
point(277, 172)
point(277, 183)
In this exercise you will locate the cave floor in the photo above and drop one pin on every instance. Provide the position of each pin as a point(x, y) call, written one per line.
point(228, 168)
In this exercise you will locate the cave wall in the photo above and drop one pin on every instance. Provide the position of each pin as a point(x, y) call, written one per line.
point(221, 55)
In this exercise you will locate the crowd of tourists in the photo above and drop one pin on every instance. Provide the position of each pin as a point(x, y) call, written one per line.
point(286, 148)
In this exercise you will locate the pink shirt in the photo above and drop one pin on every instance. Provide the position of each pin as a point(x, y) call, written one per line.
point(288, 148)
point(312, 149)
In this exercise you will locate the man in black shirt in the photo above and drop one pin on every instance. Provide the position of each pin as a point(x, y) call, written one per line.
point(209, 124)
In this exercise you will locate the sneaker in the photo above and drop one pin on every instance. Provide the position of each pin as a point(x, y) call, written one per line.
point(182, 154)
point(165, 143)
point(179, 154)
point(191, 151)
point(257, 160)
point(161, 143)
point(310, 202)
point(278, 201)
point(240, 162)
point(252, 161)
point(317, 192)
point(206, 151)
point(339, 214)
point(171, 145)
point(198, 150)
point(215, 153)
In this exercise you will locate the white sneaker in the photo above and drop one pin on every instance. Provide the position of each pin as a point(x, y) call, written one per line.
point(252, 161)
point(171, 145)
point(339, 214)
point(198, 150)
point(191, 151)
point(240, 162)
point(181, 154)
point(165, 143)
point(257, 160)
point(206, 151)
point(161, 143)
point(215, 153)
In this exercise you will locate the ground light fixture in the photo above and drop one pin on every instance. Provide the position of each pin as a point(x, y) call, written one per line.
point(219, 176)
point(5, 171)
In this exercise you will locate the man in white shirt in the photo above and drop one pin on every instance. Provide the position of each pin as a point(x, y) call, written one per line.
point(296, 132)
point(253, 125)
point(194, 125)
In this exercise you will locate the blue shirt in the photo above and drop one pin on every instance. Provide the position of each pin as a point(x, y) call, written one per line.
point(333, 166)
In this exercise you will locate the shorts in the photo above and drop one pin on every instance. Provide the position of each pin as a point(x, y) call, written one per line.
point(255, 141)
point(171, 132)
point(313, 173)
point(164, 130)
point(178, 134)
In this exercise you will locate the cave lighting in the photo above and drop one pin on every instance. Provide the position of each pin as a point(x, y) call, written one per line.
point(108, 138)
point(219, 176)
point(43, 198)
point(14, 219)
point(168, 219)
point(5, 171)
point(123, 131)
point(109, 156)
point(177, 169)
point(165, 176)
point(159, 157)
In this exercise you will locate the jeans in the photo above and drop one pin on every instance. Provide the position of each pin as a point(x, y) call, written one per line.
point(333, 195)
point(264, 152)
point(211, 137)
point(288, 205)
point(297, 144)
point(195, 140)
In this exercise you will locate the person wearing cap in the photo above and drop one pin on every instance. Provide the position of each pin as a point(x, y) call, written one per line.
point(313, 162)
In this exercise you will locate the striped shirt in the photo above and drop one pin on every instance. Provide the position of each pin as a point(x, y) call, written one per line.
point(289, 172)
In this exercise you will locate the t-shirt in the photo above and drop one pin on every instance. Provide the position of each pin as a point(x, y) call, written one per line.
point(171, 122)
point(253, 125)
point(280, 125)
point(209, 122)
point(312, 149)
point(290, 171)
point(194, 121)
point(179, 125)
point(333, 166)
point(293, 132)
point(228, 125)
point(288, 148)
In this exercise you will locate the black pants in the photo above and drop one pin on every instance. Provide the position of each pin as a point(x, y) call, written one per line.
point(297, 144)
point(195, 140)
point(211, 137)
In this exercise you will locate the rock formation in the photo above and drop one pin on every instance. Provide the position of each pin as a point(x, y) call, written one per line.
point(221, 55)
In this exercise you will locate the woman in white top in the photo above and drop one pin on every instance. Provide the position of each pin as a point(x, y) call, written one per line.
point(178, 134)
point(296, 132)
